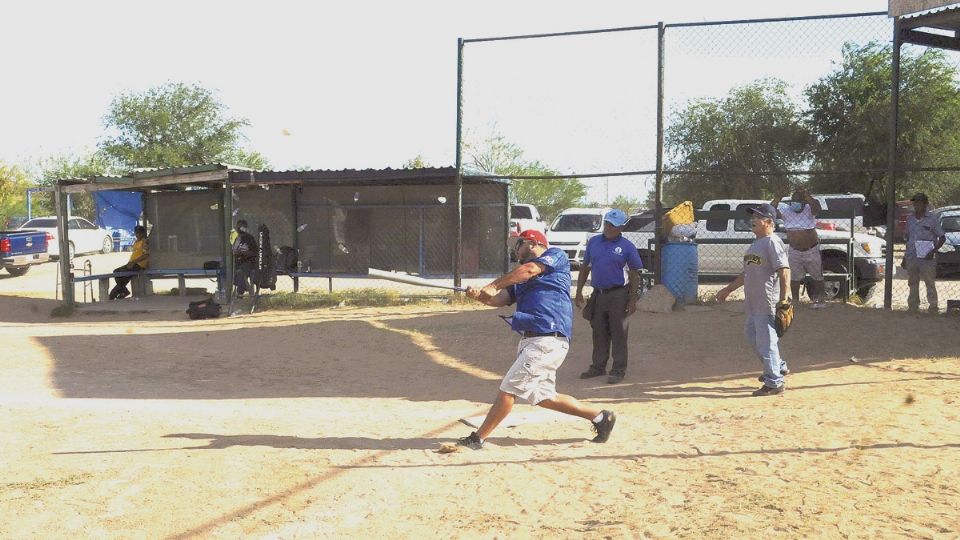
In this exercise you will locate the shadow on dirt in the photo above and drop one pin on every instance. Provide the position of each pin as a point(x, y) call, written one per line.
point(461, 355)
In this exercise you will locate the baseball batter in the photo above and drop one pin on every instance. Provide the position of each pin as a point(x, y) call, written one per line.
point(540, 287)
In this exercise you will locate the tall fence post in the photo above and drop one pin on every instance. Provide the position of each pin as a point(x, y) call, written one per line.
point(227, 251)
point(458, 250)
point(892, 166)
point(63, 239)
point(658, 190)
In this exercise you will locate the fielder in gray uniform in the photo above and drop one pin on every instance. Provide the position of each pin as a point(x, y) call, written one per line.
point(766, 272)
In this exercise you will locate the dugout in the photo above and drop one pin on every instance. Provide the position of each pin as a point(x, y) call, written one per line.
point(340, 222)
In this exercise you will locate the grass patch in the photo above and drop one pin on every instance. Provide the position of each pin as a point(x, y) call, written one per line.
point(63, 310)
point(348, 297)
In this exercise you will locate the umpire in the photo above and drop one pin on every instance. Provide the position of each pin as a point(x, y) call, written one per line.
point(612, 301)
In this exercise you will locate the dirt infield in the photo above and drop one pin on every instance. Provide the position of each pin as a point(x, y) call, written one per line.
point(326, 424)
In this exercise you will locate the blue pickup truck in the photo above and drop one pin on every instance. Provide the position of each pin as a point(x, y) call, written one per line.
point(21, 249)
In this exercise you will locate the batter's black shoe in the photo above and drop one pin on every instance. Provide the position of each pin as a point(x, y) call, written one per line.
point(768, 391)
point(471, 441)
point(604, 426)
point(783, 373)
point(591, 373)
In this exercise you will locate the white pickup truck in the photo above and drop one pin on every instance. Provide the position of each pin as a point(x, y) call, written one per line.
point(723, 259)
point(524, 217)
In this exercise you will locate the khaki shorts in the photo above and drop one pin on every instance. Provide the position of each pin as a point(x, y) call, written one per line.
point(533, 376)
point(805, 262)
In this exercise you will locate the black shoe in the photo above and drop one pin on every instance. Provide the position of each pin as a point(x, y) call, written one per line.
point(471, 441)
point(783, 373)
point(768, 391)
point(604, 426)
point(591, 373)
point(122, 294)
point(614, 379)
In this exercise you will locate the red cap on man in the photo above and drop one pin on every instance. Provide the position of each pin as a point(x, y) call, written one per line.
point(535, 236)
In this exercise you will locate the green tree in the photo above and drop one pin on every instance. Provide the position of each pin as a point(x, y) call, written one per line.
point(13, 192)
point(416, 163)
point(175, 124)
point(756, 128)
point(497, 156)
point(63, 166)
point(627, 204)
point(849, 114)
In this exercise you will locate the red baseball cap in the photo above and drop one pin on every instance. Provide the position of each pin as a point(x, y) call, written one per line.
point(535, 236)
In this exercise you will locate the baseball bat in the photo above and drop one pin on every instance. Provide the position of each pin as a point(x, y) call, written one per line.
point(401, 277)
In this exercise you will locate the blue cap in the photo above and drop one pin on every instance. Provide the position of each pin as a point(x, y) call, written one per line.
point(764, 210)
point(616, 217)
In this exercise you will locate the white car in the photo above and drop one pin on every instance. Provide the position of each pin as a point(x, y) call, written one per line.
point(571, 229)
point(84, 236)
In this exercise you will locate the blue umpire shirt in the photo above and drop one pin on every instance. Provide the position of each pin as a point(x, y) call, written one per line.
point(607, 259)
point(543, 303)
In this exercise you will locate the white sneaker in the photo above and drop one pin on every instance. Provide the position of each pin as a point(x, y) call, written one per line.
point(818, 305)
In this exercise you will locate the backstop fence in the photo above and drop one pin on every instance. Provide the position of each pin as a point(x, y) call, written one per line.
point(726, 115)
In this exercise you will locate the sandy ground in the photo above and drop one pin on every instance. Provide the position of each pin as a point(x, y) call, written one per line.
point(327, 424)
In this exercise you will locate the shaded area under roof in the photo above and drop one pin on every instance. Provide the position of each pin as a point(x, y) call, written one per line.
point(946, 19)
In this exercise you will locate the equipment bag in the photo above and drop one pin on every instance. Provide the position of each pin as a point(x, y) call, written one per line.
point(265, 275)
point(204, 309)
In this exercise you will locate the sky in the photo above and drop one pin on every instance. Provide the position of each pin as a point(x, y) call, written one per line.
point(364, 84)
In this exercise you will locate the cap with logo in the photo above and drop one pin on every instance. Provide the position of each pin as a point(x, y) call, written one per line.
point(534, 236)
point(616, 217)
point(765, 210)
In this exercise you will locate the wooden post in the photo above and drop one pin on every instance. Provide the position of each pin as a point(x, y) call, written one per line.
point(66, 273)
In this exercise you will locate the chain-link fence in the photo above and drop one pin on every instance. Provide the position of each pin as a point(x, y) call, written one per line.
point(730, 115)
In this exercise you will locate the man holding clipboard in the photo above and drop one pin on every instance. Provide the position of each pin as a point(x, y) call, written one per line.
point(924, 237)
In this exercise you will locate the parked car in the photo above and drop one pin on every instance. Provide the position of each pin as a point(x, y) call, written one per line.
point(727, 259)
point(841, 202)
point(14, 222)
point(84, 236)
point(948, 256)
point(524, 217)
point(904, 210)
point(569, 231)
point(21, 249)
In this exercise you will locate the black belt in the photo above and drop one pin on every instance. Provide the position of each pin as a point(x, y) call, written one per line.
point(805, 250)
point(609, 289)
point(543, 334)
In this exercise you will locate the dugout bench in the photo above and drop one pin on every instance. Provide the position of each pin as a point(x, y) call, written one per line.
point(141, 282)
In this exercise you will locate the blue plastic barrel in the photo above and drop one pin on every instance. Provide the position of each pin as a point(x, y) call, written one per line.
point(679, 270)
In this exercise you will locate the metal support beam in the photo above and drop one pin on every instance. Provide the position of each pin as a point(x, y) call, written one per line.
point(892, 165)
point(931, 40)
point(227, 253)
point(658, 190)
point(458, 249)
point(66, 272)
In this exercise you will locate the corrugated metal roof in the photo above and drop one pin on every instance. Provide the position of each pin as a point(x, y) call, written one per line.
point(945, 18)
point(187, 175)
point(934, 11)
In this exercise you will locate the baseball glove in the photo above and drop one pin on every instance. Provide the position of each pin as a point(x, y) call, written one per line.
point(784, 317)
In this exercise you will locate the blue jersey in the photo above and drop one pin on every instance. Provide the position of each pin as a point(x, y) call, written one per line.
point(543, 303)
point(607, 259)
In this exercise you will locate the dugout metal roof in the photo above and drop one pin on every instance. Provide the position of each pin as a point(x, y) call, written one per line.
point(921, 29)
point(214, 175)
